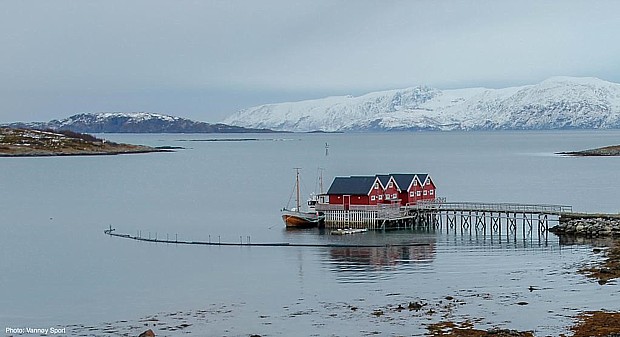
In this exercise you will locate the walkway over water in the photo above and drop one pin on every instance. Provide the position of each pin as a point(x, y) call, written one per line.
point(439, 213)
point(492, 207)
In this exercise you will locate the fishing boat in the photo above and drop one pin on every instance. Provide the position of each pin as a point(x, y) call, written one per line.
point(295, 217)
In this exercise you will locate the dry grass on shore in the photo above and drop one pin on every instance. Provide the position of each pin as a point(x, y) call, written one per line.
point(34, 143)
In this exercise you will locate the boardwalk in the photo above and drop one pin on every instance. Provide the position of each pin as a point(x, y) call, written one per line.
point(499, 218)
point(492, 207)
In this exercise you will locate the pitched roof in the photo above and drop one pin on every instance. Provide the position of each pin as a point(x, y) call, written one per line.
point(422, 177)
point(384, 179)
point(361, 185)
point(355, 185)
point(403, 180)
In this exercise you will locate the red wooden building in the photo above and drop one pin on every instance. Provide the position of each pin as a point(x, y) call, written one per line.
point(401, 189)
point(414, 187)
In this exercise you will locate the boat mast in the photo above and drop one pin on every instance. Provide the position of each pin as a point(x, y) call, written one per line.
point(297, 189)
point(321, 179)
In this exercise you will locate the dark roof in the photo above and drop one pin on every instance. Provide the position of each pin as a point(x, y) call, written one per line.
point(361, 185)
point(403, 180)
point(422, 177)
point(384, 179)
point(356, 185)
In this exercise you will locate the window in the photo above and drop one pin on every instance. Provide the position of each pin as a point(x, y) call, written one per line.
point(390, 184)
point(418, 193)
point(425, 192)
point(415, 183)
point(372, 198)
point(381, 197)
point(394, 196)
point(387, 197)
point(431, 192)
point(376, 186)
point(412, 194)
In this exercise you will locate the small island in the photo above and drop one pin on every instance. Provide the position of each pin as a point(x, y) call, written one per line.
point(36, 143)
point(613, 150)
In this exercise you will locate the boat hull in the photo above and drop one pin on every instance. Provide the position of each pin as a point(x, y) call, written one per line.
point(300, 219)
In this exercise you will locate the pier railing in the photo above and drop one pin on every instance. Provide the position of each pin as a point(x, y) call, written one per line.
point(340, 207)
point(491, 207)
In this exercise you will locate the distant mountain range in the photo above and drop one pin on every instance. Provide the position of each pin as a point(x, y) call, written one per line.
point(556, 103)
point(133, 122)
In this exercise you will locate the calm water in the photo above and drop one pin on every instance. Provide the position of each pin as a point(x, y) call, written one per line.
point(58, 269)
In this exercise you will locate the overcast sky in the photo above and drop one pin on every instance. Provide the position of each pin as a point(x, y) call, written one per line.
point(206, 59)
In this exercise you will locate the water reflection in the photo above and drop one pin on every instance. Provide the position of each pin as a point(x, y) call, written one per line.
point(570, 240)
point(378, 257)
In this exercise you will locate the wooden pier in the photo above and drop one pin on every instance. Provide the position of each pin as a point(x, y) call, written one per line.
point(494, 218)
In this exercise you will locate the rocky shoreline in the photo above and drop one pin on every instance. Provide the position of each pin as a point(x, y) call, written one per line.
point(595, 226)
point(198, 322)
point(589, 225)
point(46, 143)
point(613, 150)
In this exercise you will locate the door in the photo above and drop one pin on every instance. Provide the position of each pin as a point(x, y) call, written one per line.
point(346, 201)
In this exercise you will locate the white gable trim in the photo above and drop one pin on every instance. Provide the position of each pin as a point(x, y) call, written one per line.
point(377, 180)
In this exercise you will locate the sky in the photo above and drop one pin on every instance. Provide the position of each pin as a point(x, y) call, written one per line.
point(205, 60)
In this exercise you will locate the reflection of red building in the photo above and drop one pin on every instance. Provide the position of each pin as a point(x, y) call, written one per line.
point(400, 189)
point(384, 256)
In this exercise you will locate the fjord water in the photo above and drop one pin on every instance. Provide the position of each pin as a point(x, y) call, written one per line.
point(59, 269)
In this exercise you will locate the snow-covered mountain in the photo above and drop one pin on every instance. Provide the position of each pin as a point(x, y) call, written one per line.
point(556, 103)
point(132, 122)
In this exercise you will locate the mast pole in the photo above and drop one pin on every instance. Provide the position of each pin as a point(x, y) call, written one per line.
point(297, 189)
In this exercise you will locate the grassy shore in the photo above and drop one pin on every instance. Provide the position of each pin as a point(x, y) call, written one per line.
point(37, 143)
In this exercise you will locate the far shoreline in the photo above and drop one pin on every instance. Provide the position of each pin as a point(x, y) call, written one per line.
point(606, 151)
point(20, 143)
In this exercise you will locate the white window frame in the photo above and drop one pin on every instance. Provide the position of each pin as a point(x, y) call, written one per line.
point(425, 192)
point(380, 196)
point(418, 193)
point(372, 198)
point(412, 194)
point(431, 192)
point(394, 196)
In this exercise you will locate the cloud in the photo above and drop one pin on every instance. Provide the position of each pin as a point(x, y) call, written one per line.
point(85, 51)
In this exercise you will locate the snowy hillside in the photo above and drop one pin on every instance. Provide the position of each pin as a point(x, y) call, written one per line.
point(132, 122)
point(556, 103)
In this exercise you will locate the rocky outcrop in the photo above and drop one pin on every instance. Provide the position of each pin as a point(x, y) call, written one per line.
point(613, 150)
point(147, 333)
point(30, 143)
point(589, 225)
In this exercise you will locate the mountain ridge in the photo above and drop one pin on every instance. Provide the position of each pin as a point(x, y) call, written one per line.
point(133, 122)
point(556, 103)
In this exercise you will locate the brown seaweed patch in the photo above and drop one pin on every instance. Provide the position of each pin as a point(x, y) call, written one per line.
point(597, 324)
point(609, 269)
point(466, 329)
